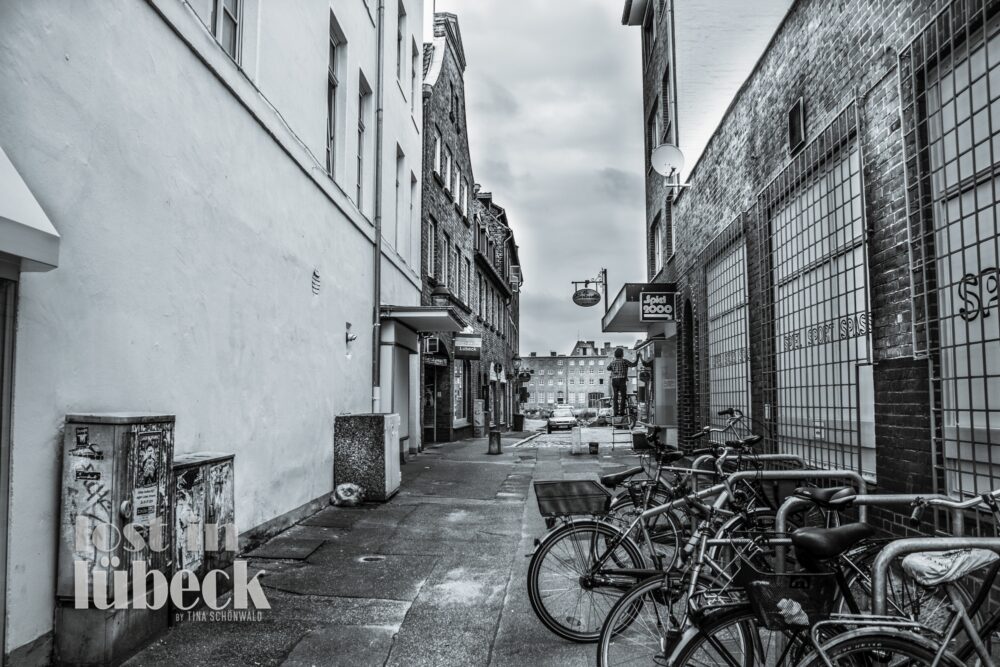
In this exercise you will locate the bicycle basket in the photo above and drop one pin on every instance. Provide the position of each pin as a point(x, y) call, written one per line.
point(788, 601)
point(572, 497)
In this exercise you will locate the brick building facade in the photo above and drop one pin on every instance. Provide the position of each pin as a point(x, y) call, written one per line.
point(458, 259)
point(835, 276)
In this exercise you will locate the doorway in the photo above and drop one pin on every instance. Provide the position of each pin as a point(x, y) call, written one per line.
point(429, 403)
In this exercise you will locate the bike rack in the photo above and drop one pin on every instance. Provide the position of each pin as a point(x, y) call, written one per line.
point(774, 458)
point(863, 501)
point(910, 545)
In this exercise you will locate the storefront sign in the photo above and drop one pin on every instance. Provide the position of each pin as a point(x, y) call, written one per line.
point(435, 361)
point(829, 332)
point(468, 347)
point(656, 306)
point(979, 293)
point(586, 297)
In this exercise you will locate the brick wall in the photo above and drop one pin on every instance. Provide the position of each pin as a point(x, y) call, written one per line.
point(828, 53)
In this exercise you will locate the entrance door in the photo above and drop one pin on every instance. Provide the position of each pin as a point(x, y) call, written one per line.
point(8, 309)
point(429, 408)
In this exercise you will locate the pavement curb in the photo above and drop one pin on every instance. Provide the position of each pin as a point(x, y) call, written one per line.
point(528, 439)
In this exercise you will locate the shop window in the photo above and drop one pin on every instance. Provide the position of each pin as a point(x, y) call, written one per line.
point(821, 350)
point(728, 343)
point(951, 125)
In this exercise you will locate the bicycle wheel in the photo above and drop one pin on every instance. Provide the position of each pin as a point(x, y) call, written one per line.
point(904, 597)
point(564, 595)
point(735, 638)
point(665, 529)
point(635, 629)
point(881, 648)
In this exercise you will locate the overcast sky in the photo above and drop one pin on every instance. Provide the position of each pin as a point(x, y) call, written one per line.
point(554, 98)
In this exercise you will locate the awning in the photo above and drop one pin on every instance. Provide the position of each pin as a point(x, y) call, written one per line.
point(626, 316)
point(437, 319)
point(25, 230)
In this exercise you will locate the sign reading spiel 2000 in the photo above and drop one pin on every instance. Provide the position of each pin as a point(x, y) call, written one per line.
point(656, 307)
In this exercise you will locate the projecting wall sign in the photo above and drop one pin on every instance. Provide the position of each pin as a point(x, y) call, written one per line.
point(468, 347)
point(656, 307)
point(586, 297)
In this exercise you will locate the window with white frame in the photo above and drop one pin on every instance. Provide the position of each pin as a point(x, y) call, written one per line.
point(430, 263)
point(437, 151)
point(447, 168)
point(227, 18)
point(657, 243)
point(416, 68)
point(400, 41)
point(338, 47)
point(364, 106)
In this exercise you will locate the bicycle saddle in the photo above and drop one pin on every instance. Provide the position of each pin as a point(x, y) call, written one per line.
point(931, 568)
point(834, 497)
point(826, 543)
point(614, 479)
point(745, 442)
point(670, 455)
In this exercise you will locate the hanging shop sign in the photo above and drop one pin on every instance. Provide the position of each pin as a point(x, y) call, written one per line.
point(656, 306)
point(467, 346)
point(435, 361)
point(586, 297)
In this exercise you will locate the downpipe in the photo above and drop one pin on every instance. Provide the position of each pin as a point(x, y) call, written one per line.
point(377, 259)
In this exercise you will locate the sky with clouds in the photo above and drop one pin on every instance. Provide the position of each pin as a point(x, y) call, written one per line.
point(554, 98)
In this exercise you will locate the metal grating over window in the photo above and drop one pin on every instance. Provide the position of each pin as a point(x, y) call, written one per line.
point(817, 367)
point(727, 339)
point(950, 109)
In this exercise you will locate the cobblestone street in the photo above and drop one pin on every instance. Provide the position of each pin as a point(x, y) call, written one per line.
point(436, 576)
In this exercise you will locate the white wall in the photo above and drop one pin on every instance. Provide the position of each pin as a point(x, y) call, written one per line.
point(189, 239)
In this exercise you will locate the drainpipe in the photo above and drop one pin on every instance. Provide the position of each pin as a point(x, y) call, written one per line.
point(377, 259)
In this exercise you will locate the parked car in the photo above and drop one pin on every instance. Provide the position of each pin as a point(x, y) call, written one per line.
point(604, 416)
point(561, 418)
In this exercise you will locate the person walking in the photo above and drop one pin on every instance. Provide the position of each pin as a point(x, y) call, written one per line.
point(619, 381)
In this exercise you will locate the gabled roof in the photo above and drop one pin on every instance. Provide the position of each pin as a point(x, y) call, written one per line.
point(446, 35)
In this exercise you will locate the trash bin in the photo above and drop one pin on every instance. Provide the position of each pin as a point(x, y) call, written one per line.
point(518, 422)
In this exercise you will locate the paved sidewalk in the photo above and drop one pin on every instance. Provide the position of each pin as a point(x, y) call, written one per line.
point(436, 576)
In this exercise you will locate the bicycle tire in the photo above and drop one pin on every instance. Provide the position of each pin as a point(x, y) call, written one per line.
point(873, 646)
point(620, 627)
point(735, 638)
point(666, 530)
point(904, 596)
point(582, 622)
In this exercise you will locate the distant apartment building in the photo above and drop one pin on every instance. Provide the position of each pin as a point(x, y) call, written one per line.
point(470, 262)
point(578, 379)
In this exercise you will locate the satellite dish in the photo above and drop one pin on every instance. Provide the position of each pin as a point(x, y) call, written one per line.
point(667, 160)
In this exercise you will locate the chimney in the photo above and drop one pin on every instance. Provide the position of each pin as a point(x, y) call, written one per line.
point(552, 354)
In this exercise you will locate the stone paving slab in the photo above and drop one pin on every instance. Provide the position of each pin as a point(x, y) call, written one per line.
point(289, 548)
point(387, 577)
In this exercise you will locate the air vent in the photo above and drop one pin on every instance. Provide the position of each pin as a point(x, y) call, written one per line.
point(796, 127)
point(315, 282)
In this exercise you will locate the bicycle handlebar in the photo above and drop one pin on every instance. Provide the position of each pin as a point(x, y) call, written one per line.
point(986, 498)
point(728, 412)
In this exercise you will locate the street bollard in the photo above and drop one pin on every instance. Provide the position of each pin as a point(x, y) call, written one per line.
point(494, 442)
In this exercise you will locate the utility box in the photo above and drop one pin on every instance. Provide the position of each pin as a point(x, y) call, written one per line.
point(116, 511)
point(366, 453)
point(205, 536)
